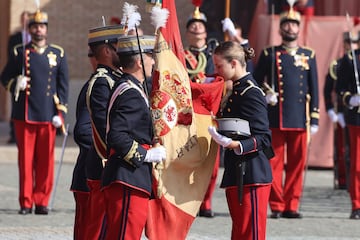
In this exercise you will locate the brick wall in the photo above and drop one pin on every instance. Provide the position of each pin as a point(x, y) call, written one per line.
point(69, 22)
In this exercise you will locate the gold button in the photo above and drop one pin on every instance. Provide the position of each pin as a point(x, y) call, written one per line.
point(301, 76)
point(280, 75)
point(229, 109)
point(281, 91)
point(230, 100)
point(28, 93)
point(47, 94)
point(281, 83)
point(281, 99)
point(301, 92)
point(235, 92)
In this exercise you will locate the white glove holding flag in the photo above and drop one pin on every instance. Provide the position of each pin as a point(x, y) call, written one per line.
point(341, 120)
point(332, 115)
point(271, 98)
point(156, 154)
point(314, 129)
point(57, 121)
point(218, 138)
point(355, 100)
point(228, 25)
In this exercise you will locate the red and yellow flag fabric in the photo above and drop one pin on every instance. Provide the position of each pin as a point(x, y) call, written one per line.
point(181, 115)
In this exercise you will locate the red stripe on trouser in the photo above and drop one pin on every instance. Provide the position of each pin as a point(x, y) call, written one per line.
point(96, 210)
point(249, 218)
point(36, 143)
point(81, 210)
point(206, 204)
point(126, 212)
point(354, 186)
point(286, 197)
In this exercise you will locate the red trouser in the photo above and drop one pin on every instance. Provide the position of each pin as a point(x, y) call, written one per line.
point(354, 186)
point(96, 211)
point(81, 210)
point(206, 204)
point(36, 143)
point(249, 218)
point(286, 197)
point(126, 212)
point(340, 157)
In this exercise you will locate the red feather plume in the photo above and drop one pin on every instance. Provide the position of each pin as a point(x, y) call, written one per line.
point(197, 3)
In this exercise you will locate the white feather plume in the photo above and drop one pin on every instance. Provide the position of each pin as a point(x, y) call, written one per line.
point(291, 2)
point(134, 20)
point(131, 17)
point(37, 3)
point(159, 17)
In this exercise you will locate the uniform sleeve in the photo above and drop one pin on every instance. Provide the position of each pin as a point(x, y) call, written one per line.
point(11, 70)
point(261, 69)
point(255, 108)
point(344, 83)
point(62, 85)
point(127, 114)
point(82, 129)
point(100, 94)
point(314, 92)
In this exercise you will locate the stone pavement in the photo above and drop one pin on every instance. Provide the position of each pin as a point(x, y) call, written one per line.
point(326, 211)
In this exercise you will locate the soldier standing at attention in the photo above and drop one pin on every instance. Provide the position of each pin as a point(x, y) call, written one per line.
point(37, 75)
point(288, 72)
point(337, 112)
point(83, 138)
point(127, 178)
point(102, 42)
point(200, 66)
point(348, 88)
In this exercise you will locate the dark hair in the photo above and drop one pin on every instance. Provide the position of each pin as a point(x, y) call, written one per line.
point(128, 61)
point(230, 50)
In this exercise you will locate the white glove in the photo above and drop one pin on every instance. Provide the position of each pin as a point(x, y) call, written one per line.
point(271, 98)
point(314, 129)
point(220, 139)
point(332, 115)
point(354, 101)
point(228, 25)
point(156, 154)
point(341, 120)
point(239, 151)
point(21, 82)
point(56, 121)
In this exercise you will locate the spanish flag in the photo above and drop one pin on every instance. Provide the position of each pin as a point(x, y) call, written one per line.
point(181, 115)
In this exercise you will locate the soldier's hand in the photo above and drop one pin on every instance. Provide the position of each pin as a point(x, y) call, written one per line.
point(314, 129)
point(271, 98)
point(21, 82)
point(355, 100)
point(228, 25)
point(332, 115)
point(218, 138)
point(57, 121)
point(156, 154)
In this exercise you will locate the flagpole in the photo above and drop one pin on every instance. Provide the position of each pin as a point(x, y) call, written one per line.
point(227, 15)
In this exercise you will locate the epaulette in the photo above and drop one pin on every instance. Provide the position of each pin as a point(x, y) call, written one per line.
point(332, 69)
point(251, 85)
point(15, 49)
point(60, 49)
point(349, 54)
point(267, 50)
point(312, 51)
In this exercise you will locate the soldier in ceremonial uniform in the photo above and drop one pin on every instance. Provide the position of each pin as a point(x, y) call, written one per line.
point(288, 73)
point(83, 138)
point(37, 75)
point(247, 175)
point(348, 89)
point(198, 54)
point(336, 111)
point(199, 64)
point(127, 178)
point(102, 42)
